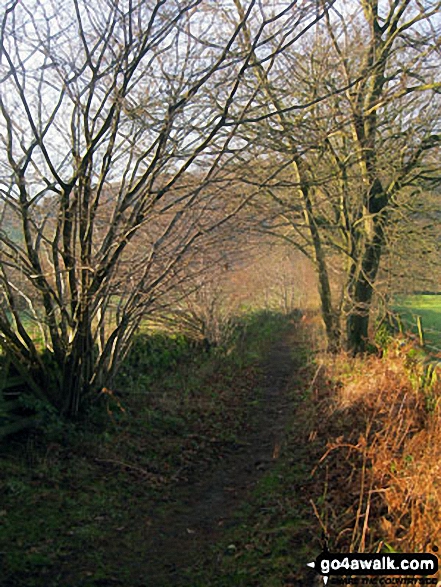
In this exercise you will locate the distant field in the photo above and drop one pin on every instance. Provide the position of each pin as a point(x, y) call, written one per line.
point(428, 307)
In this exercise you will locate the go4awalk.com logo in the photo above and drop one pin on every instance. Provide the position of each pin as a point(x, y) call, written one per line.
point(329, 563)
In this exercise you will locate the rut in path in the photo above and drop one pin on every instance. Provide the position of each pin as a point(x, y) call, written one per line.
point(204, 509)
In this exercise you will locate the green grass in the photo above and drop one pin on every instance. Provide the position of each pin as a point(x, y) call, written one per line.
point(428, 307)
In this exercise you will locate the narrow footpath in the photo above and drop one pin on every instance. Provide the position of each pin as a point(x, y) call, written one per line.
point(187, 529)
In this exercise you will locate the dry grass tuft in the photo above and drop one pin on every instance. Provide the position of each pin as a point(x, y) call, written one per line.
point(386, 415)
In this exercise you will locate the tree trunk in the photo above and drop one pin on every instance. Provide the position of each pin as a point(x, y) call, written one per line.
point(328, 314)
point(362, 288)
point(78, 369)
point(324, 288)
point(357, 321)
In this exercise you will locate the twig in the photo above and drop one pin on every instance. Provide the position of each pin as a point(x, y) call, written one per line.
point(127, 465)
point(317, 515)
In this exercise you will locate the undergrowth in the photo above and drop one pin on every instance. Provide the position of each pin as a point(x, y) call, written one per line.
point(382, 418)
point(359, 465)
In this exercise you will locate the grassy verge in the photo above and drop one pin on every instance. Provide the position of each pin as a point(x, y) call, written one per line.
point(66, 494)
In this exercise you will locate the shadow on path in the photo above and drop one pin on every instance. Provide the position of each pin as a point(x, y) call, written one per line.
point(202, 510)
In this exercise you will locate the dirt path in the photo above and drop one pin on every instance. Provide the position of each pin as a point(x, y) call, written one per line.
point(201, 511)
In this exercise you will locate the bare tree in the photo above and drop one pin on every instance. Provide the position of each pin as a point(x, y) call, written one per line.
point(340, 167)
point(109, 112)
